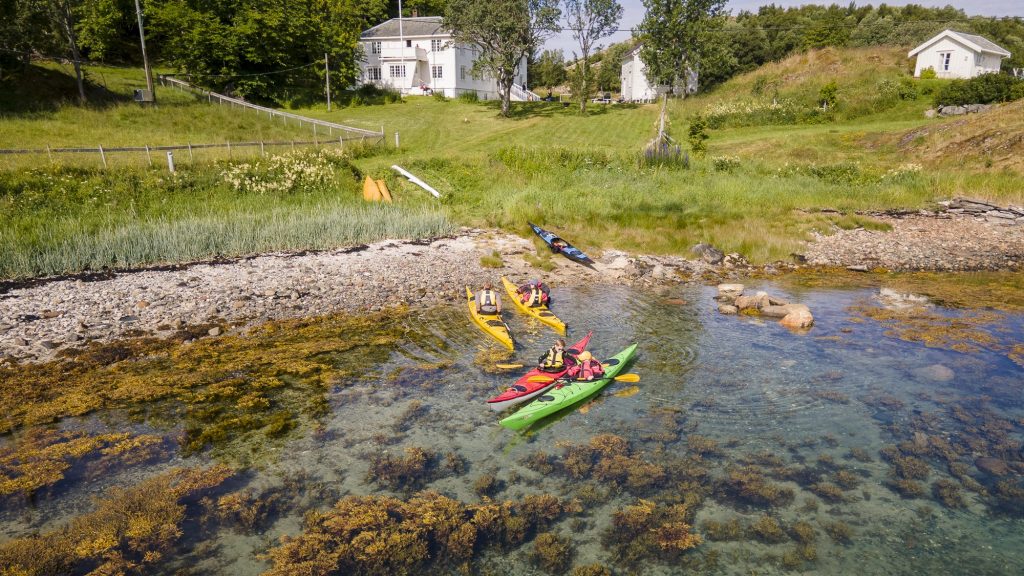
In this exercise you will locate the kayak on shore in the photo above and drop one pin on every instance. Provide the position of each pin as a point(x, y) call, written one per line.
point(562, 246)
point(542, 312)
point(569, 394)
point(492, 324)
point(534, 382)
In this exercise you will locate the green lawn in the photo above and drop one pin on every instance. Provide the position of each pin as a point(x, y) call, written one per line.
point(758, 191)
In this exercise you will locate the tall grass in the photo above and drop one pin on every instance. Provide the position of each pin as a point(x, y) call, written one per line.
point(69, 246)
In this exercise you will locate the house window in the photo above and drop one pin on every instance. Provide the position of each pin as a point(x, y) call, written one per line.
point(374, 47)
point(462, 72)
point(408, 43)
point(944, 58)
point(436, 45)
point(373, 73)
point(978, 59)
point(396, 70)
point(437, 72)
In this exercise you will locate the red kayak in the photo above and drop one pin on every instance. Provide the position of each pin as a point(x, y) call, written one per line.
point(534, 382)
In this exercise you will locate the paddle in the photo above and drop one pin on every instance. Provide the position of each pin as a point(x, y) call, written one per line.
point(508, 366)
point(620, 378)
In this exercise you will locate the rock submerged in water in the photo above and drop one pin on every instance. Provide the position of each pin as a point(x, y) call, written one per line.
point(992, 466)
point(799, 317)
point(732, 301)
point(936, 372)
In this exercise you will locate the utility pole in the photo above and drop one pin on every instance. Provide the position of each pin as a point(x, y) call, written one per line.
point(327, 75)
point(145, 60)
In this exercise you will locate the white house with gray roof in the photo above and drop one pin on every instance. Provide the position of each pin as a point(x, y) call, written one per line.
point(417, 56)
point(958, 55)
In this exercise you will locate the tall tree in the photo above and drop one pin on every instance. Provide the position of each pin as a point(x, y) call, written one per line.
point(549, 70)
point(589, 21)
point(609, 74)
point(678, 37)
point(505, 31)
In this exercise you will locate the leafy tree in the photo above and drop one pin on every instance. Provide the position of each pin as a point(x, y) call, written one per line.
point(419, 7)
point(678, 36)
point(589, 20)
point(549, 70)
point(505, 31)
point(698, 134)
point(609, 74)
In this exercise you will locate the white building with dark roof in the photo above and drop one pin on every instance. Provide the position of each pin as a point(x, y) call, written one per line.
point(954, 54)
point(417, 56)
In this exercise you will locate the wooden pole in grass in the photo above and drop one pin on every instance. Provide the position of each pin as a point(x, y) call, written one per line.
point(103, 157)
point(262, 151)
point(148, 156)
point(191, 160)
point(49, 154)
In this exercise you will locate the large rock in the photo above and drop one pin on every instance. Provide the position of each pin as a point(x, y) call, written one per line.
point(798, 318)
point(729, 291)
point(993, 466)
point(746, 302)
point(727, 309)
point(708, 253)
point(776, 311)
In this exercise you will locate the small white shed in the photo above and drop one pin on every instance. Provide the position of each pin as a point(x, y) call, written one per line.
point(958, 55)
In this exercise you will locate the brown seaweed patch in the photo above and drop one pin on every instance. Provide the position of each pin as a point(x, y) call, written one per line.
point(382, 535)
point(551, 552)
point(131, 531)
point(768, 530)
point(728, 531)
point(40, 458)
point(948, 492)
point(964, 333)
point(406, 472)
point(747, 485)
point(231, 389)
point(839, 531)
point(608, 458)
point(647, 530)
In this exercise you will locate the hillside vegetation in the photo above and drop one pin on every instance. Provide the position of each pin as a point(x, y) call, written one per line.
point(759, 190)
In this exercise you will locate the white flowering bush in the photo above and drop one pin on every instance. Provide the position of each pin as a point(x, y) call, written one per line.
point(903, 174)
point(302, 171)
point(725, 163)
point(752, 112)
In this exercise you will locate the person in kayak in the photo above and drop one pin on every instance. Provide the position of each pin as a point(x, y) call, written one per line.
point(586, 368)
point(487, 301)
point(555, 359)
point(534, 294)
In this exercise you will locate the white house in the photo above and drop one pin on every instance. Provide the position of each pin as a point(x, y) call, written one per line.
point(636, 88)
point(417, 56)
point(958, 55)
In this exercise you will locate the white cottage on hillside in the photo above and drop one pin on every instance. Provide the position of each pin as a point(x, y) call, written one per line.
point(958, 55)
point(417, 56)
point(636, 88)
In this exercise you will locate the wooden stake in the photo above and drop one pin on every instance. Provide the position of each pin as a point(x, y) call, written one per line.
point(103, 157)
point(148, 156)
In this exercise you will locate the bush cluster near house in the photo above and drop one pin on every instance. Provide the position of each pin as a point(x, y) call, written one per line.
point(984, 89)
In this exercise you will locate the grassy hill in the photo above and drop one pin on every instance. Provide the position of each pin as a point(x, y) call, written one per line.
point(759, 190)
point(41, 109)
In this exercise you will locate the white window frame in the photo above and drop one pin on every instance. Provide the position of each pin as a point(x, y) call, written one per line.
point(437, 72)
point(375, 47)
point(436, 45)
point(373, 74)
point(945, 59)
point(393, 68)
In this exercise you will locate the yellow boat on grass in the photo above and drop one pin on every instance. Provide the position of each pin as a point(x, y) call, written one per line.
point(541, 313)
point(489, 323)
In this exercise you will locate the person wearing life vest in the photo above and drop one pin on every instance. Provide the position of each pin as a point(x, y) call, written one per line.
point(487, 300)
point(533, 294)
point(587, 368)
point(555, 359)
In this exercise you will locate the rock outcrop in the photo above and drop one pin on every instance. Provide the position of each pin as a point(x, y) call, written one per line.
point(732, 300)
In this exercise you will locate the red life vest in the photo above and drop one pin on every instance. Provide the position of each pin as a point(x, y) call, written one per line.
point(588, 370)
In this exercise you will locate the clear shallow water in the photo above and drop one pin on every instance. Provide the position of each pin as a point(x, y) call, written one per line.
point(792, 406)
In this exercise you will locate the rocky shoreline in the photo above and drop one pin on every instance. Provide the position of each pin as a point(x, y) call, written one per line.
point(40, 318)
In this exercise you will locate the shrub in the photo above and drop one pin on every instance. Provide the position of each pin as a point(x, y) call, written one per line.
point(984, 89)
point(439, 96)
point(492, 261)
point(469, 97)
point(828, 96)
point(928, 74)
point(698, 134)
point(725, 163)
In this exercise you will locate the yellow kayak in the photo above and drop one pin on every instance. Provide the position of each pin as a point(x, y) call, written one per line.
point(541, 313)
point(490, 323)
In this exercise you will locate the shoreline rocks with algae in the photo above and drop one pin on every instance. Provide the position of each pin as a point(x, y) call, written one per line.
point(40, 318)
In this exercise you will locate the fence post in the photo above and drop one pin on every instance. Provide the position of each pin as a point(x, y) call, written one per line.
point(170, 161)
point(191, 160)
point(49, 154)
point(148, 155)
point(396, 139)
point(229, 149)
point(103, 157)
point(315, 143)
point(293, 145)
point(262, 151)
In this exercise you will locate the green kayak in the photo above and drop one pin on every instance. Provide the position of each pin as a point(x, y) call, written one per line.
point(558, 398)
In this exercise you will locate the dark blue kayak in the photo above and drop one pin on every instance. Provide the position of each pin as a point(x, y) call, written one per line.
point(559, 245)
